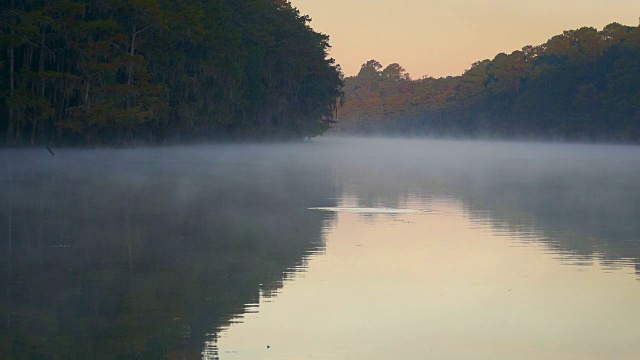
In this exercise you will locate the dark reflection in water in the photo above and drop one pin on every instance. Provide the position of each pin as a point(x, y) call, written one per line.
point(583, 206)
point(146, 253)
point(149, 253)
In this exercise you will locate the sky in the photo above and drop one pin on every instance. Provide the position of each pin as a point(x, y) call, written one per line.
point(443, 38)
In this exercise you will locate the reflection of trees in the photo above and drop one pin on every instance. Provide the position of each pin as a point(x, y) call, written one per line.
point(580, 206)
point(142, 254)
point(146, 260)
point(580, 210)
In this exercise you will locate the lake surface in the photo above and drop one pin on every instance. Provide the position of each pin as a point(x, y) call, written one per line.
point(335, 249)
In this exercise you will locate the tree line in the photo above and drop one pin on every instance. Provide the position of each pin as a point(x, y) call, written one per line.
point(581, 85)
point(125, 71)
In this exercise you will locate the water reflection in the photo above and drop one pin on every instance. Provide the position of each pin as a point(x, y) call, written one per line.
point(579, 200)
point(155, 252)
point(437, 286)
point(146, 253)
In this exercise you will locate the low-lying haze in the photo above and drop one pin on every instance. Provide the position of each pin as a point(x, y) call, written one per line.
point(153, 252)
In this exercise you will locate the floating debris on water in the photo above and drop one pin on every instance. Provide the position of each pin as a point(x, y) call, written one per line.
point(364, 210)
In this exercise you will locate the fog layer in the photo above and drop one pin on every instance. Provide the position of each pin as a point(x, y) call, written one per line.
point(149, 252)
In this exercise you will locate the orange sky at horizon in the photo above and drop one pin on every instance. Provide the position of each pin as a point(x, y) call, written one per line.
point(443, 38)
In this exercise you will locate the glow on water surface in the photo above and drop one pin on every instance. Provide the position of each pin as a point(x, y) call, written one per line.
point(365, 210)
point(337, 249)
point(440, 285)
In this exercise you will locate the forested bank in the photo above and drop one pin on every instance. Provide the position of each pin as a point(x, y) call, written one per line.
point(582, 85)
point(153, 71)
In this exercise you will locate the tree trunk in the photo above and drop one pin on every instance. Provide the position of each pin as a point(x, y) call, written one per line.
point(130, 66)
point(41, 62)
point(11, 52)
point(86, 95)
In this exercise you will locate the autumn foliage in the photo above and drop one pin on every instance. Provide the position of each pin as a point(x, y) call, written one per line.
point(582, 85)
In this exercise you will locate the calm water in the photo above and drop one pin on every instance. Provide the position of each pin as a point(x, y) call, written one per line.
point(337, 249)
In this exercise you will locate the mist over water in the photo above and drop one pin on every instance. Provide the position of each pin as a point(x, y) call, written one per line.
point(172, 252)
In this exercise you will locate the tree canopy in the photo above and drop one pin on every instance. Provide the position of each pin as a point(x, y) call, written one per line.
point(582, 84)
point(124, 71)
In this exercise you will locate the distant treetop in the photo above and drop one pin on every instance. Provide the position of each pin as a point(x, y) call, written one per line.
point(583, 84)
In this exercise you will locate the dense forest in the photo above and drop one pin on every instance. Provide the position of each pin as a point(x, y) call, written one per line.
point(581, 85)
point(86, 72)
